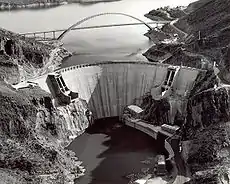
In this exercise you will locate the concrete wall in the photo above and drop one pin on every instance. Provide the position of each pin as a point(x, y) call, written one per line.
point(185, 80)
point(109, 87)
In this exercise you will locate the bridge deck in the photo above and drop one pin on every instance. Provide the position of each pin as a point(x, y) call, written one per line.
point(53, 34)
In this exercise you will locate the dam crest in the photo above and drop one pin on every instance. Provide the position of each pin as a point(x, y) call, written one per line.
point(108, 87)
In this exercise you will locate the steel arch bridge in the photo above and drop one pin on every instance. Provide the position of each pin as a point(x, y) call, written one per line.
point(98, 15)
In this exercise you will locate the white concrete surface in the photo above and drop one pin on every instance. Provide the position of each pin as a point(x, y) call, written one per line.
point(181, 179)
point(157, 180)
point(109, 87)
point(150, 130)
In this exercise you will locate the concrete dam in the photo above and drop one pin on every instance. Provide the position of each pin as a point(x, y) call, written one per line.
point(110, 86)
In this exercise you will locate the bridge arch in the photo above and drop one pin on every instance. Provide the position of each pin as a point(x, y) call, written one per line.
point(98, 15)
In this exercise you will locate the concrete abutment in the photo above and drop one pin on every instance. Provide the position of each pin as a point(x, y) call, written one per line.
point(110, 86)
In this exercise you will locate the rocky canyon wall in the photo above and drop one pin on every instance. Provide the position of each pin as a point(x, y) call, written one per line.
point(37, 4)
point(33, 133)
point(201, 41)
point(23, 58)
point(11, 5)
point(205, 132)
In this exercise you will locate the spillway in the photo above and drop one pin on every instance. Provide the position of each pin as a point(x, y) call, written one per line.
point(110, 86)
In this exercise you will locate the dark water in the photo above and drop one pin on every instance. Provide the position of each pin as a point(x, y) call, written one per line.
point(110, 151)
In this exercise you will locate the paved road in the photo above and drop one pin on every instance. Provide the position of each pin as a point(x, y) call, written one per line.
point(177, 29)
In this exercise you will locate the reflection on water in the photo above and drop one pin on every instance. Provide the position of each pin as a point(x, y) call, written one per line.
point(108, 44)
point(100, 44)
point(111, 151)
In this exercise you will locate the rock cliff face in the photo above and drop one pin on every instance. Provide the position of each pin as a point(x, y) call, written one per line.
point(206, 130)
point(12, 4)
point(204, 31)
point(204, 118)
point(35, 4)
point(33, 136)
point(33, 133)
point(208, 156)
point(207, 108)
point(166, 13)
point(199, 37)
point(155, 111)
point(22, 58)
point(174, 108)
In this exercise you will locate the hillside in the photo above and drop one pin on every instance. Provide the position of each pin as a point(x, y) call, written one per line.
point(35, 4)
point(201, 38)
point(204, 32)
point(212, 22)
point(22, 58)
point(34, 133)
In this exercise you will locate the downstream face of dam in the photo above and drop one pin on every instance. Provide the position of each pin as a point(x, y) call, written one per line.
point(110, 86)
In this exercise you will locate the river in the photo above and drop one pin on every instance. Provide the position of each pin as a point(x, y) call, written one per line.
point(108, 153)
point(117, 43)
point(111, 151)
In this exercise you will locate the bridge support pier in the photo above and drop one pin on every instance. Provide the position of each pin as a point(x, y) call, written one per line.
point(54, 36)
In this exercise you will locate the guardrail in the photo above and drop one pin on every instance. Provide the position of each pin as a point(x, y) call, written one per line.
point(119, 62)
point(52, 34)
